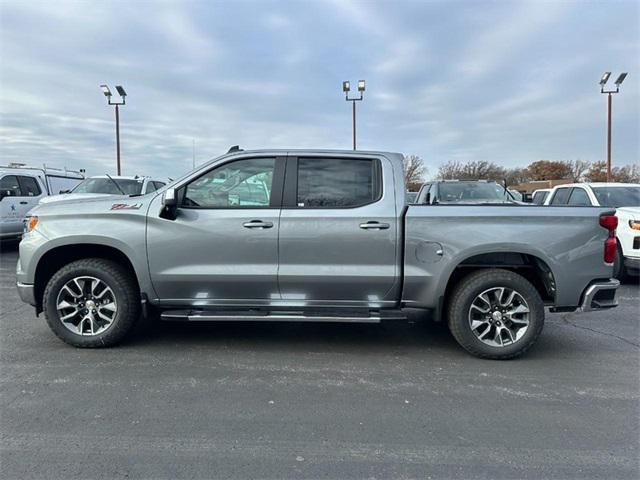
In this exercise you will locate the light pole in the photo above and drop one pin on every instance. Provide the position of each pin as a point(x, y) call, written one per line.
point(617, 83)
point(123, 94)
point(346, 87)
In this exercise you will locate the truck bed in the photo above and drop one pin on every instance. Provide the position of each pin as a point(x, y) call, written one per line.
point(563, 240)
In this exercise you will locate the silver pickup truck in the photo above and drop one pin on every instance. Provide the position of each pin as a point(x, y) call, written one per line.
point(322, 236)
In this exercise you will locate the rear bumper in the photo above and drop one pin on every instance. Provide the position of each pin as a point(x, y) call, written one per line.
point(632, 263)
point(599, 295)
point(27, 294)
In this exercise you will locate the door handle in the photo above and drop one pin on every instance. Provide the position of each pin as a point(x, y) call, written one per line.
point(257, 224)
point(374, 226)
point(24, 203)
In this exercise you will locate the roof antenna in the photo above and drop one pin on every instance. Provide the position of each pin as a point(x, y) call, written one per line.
point(235, 148)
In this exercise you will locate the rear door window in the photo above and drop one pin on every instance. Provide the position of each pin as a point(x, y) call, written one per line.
point(579, 197)
point(337, 182)
point(560, 197)
point(28, 186)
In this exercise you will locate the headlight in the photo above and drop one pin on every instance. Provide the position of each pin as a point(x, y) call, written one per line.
point(634, 224)
point(30, 223)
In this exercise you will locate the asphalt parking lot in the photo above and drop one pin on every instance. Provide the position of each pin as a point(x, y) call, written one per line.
point(319, 401)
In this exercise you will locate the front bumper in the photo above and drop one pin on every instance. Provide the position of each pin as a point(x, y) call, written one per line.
point(27, 293)
point(600, 295)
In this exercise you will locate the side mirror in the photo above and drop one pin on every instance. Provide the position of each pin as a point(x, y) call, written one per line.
point(170, 199)
point(169, 204)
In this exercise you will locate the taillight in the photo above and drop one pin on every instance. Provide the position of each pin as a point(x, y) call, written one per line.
point(610, 222)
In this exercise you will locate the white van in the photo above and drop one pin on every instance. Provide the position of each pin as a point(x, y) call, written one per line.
point(22, 187)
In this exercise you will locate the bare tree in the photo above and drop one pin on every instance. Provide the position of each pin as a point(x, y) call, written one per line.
point(478, 170)
point(578, 169)
point(414, 172)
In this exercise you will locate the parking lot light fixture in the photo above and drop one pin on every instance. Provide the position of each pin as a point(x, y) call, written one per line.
point(617, 83)
point(620, 79)
point(107, 93)
point(346, 87)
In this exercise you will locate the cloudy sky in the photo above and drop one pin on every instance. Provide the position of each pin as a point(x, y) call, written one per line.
point(511, 82)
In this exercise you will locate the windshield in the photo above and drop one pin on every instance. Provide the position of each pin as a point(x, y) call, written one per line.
point(471, 192)
point(618, 196)
point(104, 185)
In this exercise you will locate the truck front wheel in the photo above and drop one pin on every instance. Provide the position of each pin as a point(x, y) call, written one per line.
point(495, 314)
point(91, 303)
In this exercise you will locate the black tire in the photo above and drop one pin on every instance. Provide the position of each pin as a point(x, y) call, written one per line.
point(619, 270)
point(124, 288)
point(473, 285)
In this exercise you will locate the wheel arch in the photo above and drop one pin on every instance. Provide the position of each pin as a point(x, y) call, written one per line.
point(55, 258)
point(532, 267)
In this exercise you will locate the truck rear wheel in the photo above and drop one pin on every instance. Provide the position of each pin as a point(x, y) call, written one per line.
point(91, 303)
point(495, 314)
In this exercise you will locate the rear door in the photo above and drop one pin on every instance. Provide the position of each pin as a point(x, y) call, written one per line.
point(338, 231)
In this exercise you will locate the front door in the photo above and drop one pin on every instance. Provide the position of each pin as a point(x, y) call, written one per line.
point(338, 232)
point(222, 249)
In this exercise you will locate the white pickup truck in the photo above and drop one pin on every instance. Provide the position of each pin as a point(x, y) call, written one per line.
point(23, 187)
point(625, 198)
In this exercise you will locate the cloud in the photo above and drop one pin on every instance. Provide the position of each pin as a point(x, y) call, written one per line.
point(508, 82)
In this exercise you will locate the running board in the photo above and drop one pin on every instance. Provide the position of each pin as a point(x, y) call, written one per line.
point(280, 316)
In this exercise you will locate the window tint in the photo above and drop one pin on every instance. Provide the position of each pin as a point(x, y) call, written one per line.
point(560, 197)
point(150, 187)
point(28, 186)
point(159, 185)
point(332, 182)
point(540, 197)
point(244, 183)
point(9, 186)
point(579, 197)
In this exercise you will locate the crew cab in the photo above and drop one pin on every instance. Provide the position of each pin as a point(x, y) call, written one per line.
point(625, 198)
point(312, 235)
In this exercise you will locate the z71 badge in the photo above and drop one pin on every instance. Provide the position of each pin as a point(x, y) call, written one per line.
point(126, 206)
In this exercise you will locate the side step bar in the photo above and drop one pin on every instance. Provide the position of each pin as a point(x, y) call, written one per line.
point(280, 316)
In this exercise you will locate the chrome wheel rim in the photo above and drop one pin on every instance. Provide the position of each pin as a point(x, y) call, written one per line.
point(86, 306)
point(499, 316)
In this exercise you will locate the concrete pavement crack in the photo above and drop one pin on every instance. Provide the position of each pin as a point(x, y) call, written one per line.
point(566, 320)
